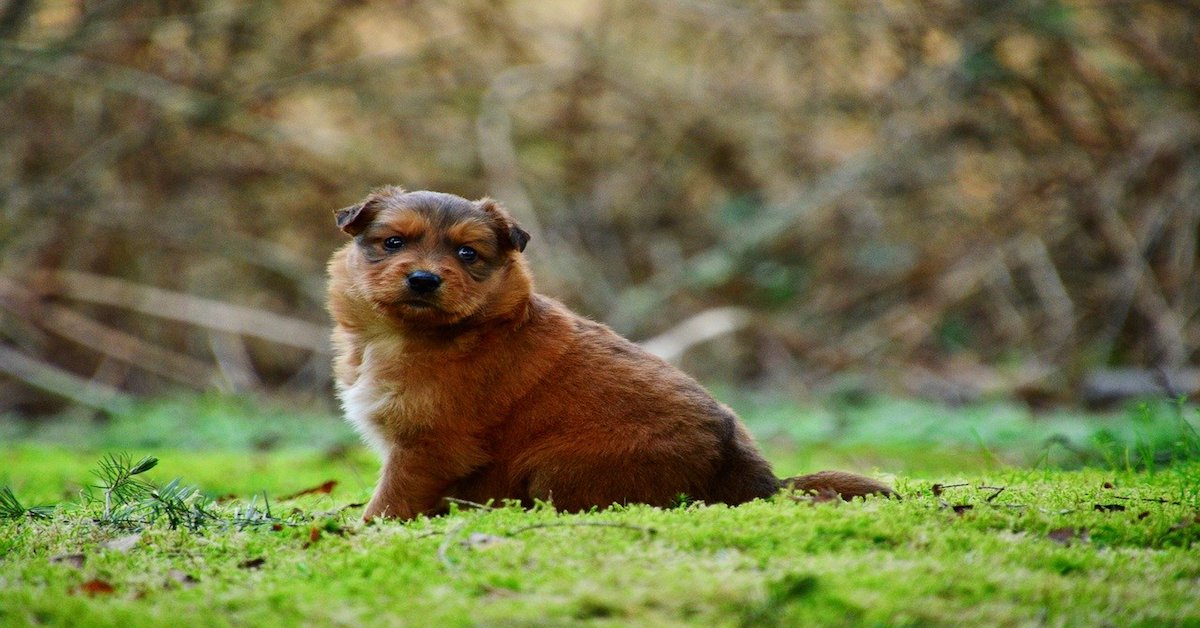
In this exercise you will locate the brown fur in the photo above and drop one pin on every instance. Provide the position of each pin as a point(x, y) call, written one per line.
point(483, 390)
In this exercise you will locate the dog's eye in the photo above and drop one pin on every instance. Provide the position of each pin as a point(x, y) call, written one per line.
point(467, 254)
point(394, 243)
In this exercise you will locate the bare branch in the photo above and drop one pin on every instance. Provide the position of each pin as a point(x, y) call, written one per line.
point(207, 313)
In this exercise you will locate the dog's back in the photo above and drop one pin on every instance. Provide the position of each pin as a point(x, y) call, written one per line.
point(608, 423)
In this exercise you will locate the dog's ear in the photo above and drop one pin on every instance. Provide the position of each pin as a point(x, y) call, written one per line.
point(355, 218)
point(511, 234)
point(348, 218)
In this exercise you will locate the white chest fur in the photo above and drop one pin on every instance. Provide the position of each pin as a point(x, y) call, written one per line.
point(376, 403)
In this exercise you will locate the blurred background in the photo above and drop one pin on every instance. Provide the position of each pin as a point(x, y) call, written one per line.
point(948, 200)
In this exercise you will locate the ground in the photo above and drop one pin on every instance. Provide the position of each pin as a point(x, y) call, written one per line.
point(1001, 530)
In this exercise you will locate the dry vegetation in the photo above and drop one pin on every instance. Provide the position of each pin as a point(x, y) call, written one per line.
point(998, 195)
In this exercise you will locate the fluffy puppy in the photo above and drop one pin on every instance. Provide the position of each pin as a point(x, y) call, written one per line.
point(470, 385)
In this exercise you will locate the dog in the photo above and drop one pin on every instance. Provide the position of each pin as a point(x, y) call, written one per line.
point(472, 386)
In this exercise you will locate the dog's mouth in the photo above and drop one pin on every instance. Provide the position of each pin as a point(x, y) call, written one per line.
point(417, 304)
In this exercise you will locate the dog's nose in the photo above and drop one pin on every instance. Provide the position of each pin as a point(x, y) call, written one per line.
point(423, 281)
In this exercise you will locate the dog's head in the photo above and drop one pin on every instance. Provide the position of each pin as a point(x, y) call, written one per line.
point(434, 259)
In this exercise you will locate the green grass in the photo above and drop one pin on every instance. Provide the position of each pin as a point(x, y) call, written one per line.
point(1115, 543)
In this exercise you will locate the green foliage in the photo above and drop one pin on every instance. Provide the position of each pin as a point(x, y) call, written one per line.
point(131, 502)
point(119, 481)
point(11, 508)
point(1146, 435)
point(1078, 547)
point(973, 541)
point(193, 421)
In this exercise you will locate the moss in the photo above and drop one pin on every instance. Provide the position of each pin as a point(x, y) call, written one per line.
point(777, 562)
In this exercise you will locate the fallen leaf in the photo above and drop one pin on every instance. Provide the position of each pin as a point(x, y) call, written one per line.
point(74, 560)
point(1067, 535)
point(185, 580)
point(96, 587)
point(324, 488)
point(314, 535)
point(1143, 514)
point(961, 508)
point(122, 543)
point(1109, 508)
point(253, 563)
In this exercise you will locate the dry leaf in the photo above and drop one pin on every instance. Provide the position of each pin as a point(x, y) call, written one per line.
point(96, 587)
point(314, 535)
point(324, 488)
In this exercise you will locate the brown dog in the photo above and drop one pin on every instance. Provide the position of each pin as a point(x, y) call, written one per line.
point(472, 386)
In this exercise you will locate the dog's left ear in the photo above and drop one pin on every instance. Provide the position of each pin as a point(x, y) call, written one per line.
point(511, 233)
point(355, 218)
point(346, 216)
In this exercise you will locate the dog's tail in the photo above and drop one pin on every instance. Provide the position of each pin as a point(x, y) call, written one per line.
point(845, 485)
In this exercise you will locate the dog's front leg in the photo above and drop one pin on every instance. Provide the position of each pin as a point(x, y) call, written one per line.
point(412, 482)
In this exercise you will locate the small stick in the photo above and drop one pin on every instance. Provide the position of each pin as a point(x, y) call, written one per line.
point(593, 524)
point(63, 383)
point(467, 502)
point(186, 308)
point(997, 489)
point(938, 488)
point(444, 548)
point(1156, 500)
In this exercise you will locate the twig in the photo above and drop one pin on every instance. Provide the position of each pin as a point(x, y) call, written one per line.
point(444, 548)
point(467, 502)
point(713, 323)
point(233, 360)
point(938, 488)
point(111, 342)
point(62, 383)
point(997, 489)
point(187, 308)
point(590, 524)
point(1156, 500)
point(1048, 284)
point(350, 506)
point(494, 133)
